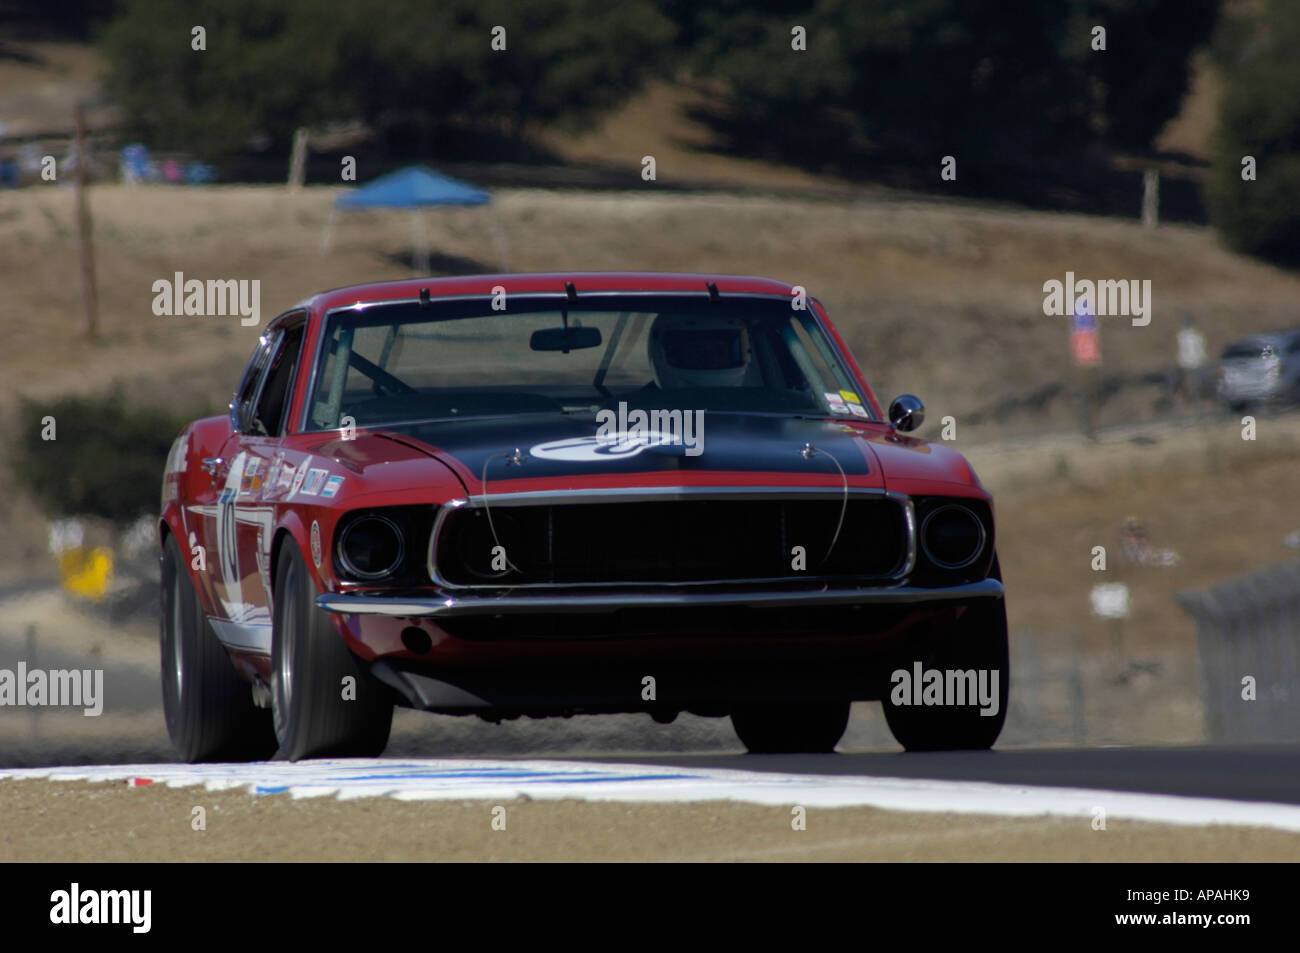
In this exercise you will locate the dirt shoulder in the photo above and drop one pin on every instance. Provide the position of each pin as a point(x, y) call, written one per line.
point(80, 822)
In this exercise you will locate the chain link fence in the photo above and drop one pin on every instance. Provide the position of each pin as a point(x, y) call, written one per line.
point(1248, 640)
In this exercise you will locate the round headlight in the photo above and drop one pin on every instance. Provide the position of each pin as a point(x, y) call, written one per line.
point(952, 536)
point(371, 547)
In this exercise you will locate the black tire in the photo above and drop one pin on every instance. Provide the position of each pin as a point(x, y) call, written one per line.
point(814, 728)
point(977, 641)
point(208, 706)
point(309, 662)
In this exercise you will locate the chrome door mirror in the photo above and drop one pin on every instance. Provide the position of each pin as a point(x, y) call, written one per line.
point(906, 413)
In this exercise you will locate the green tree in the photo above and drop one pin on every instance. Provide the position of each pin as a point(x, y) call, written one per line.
point(267, 67)
point(1146, 67)
point(1259, 117)
point(273, 65)
point(1006, 80)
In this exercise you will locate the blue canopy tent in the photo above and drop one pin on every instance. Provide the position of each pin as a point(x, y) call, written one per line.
point(414, 188)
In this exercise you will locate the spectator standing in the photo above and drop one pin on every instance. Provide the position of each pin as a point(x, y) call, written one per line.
point(1191, 359)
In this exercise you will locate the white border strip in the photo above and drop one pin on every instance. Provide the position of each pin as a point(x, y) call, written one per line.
point(444, 779)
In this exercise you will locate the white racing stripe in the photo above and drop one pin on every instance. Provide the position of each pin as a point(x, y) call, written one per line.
point(440, 779)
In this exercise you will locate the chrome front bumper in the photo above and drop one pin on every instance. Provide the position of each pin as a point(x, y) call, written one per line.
point(457, 604)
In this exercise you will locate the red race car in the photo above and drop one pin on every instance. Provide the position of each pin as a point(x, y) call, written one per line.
point(554, 494)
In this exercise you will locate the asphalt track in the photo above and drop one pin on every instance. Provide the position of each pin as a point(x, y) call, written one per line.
point(1258, 773)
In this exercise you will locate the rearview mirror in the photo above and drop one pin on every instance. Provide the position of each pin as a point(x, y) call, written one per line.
point(564, 339)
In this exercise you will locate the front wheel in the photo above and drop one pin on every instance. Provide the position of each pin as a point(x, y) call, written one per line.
point(791, 729)
point(209, 708)
point(963, 710)
point(324, 700)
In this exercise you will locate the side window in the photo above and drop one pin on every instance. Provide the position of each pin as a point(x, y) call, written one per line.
point(247, 392)
point(272, 403)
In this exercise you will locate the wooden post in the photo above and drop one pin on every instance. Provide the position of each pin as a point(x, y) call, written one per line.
point(86, 248)
point(1150, 198)
point(419, 243)
point(33, 725)
point(499, 233)
point(1090, 399)
point(298, 160)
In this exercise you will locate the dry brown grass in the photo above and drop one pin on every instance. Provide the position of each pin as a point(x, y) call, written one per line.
point(941, 299)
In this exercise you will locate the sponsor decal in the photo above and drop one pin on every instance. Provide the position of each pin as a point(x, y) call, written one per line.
point(657, 427)
point(311, 486)
point(315, 543)
point(227, 551)
point(836, 403)
point(590, 449)
point(332, 487)
point(274, 471)
point(251, 480)
point(846, 402)
point(625, 433)
point(299, 475)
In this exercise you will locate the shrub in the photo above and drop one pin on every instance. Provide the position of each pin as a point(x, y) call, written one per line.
point(106, 459)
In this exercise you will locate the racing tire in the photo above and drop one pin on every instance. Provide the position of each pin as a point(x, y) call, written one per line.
point(317, 713)
point(814, 728)
point(208, 707)
point(977, 641)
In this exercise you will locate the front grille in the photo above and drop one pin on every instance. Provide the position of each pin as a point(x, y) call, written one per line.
point(670, 541)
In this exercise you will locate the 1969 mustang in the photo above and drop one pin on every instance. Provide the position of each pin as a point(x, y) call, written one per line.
point(554, 494)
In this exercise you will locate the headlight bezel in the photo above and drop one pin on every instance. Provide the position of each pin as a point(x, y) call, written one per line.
point(346, 564)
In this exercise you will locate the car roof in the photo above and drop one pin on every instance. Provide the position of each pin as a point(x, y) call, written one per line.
point(553, 282)
point(1268, 336)
point(1264, 337)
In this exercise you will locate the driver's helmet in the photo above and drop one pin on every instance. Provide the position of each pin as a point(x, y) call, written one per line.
point(699, 351)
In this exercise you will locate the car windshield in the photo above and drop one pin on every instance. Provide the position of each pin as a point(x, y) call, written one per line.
point(390, 363)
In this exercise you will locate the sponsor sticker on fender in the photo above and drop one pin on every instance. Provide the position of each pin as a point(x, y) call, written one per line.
point(299, 475)
point(311, 486)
